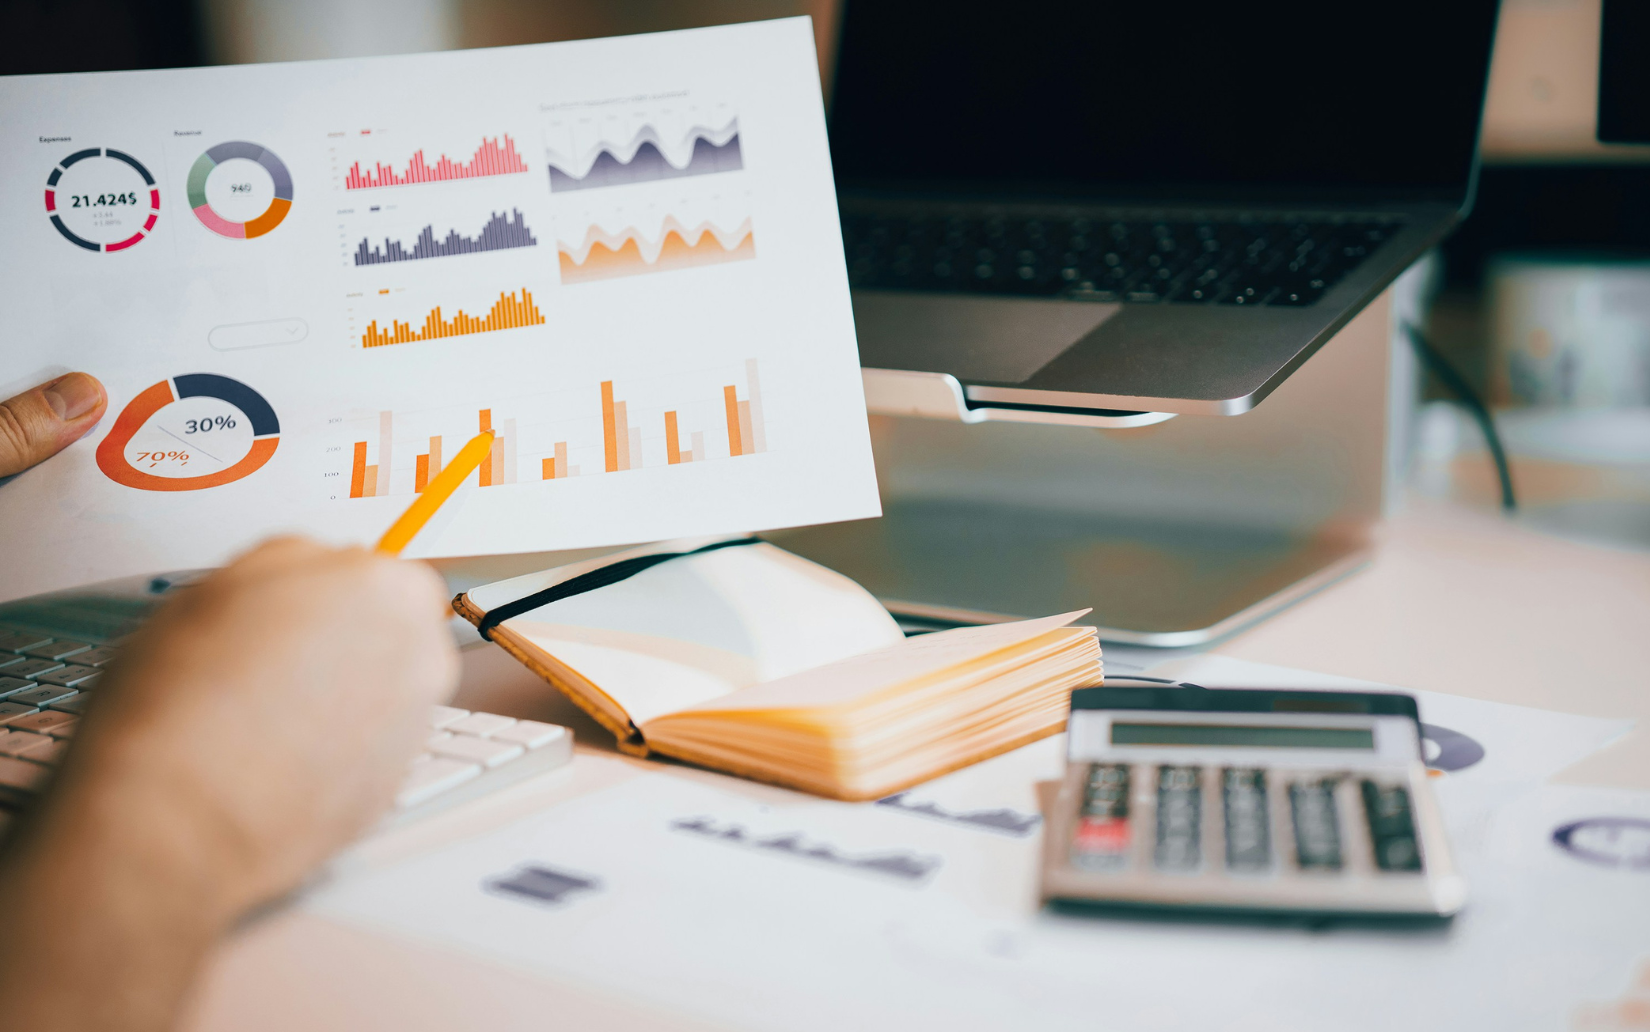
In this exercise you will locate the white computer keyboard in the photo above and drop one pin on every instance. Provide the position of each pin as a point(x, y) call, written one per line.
point(46, 683)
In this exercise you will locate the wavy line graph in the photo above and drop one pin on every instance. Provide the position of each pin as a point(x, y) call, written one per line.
point(646, 157)
point(629, 252)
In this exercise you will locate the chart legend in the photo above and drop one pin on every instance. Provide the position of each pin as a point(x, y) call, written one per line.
point(492, 158)
point(500, 233)
point(509, 312)
point(629, 252)
point(647, 157)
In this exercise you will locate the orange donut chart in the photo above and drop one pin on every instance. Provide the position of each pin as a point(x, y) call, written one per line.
point(266, 430)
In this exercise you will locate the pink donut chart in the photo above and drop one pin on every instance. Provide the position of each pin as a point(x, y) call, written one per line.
point(271, 217)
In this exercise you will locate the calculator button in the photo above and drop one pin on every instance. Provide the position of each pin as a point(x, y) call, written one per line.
point(1179, 818)
point(1317, 825)
point(1101, 841)
point(1391, 827)
point(1248, 824)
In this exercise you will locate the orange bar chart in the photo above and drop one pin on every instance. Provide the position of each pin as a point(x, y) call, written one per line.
point(358, 471)
point(673, 450)
point(429, 464)
point(747, 431)
point(508, 313)
point(621, 442)
point(370, 481)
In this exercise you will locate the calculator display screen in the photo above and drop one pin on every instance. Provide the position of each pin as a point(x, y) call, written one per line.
point(1263, 737)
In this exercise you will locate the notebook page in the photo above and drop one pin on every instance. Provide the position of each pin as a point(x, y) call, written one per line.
point(696, 628)
point(858, 676)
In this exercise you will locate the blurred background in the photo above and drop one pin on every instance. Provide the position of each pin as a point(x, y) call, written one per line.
point(1541, 300)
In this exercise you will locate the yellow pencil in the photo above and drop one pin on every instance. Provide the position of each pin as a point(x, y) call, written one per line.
point(437, 491)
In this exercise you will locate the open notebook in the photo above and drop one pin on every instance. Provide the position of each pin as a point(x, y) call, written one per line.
point(738, 655)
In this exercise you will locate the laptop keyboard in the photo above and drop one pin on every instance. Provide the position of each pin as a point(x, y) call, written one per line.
point(47, 683)
point(1284, 261)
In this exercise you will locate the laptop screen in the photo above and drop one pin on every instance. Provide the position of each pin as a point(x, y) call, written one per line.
point(1117, 98)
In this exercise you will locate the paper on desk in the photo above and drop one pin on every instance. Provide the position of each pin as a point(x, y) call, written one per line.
point(755, 908)
point(1484, 744)
point(307, 284)
point(759, 908)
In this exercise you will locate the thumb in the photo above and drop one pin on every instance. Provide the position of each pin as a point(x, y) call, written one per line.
point(39, 423)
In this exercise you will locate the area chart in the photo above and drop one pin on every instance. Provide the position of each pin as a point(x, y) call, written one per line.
point(492, 158)
point(629, 252)
point(500, 233)
point(508, 312)
point(644, 159)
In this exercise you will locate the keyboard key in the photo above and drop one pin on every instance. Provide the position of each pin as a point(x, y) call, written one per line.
point(46, 722)
point(13, 641)
point(20, 779)
point(71, 676)
point(45, 695)
point(16, 743)
point(530, 734)
point(32, 668)
point(97, 657)
point(7, 659)
point(477, 750)
point(441, 716)
point(482, 725)
point(50, 753)
point(13, 685)
point(432, 775)
point(75, 704)
point(10, 711)
point(55, 649)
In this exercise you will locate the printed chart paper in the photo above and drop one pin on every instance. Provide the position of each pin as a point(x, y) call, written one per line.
point(739, 905)
point(307, 285)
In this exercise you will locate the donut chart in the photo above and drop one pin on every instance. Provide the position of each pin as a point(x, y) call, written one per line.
point(257, 226)
point(102, 197)
point(215, 402)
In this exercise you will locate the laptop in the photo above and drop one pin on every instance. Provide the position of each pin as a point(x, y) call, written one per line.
point(1105, 207)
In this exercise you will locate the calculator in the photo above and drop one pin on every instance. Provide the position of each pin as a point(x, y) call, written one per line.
point(1311, 803)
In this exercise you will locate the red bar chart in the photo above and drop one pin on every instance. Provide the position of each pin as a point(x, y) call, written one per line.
point(492, 158)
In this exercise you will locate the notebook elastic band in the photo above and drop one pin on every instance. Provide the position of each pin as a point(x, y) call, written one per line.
point(600, 577)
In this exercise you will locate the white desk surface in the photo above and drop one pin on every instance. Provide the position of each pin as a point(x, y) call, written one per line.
point(1458, 600)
